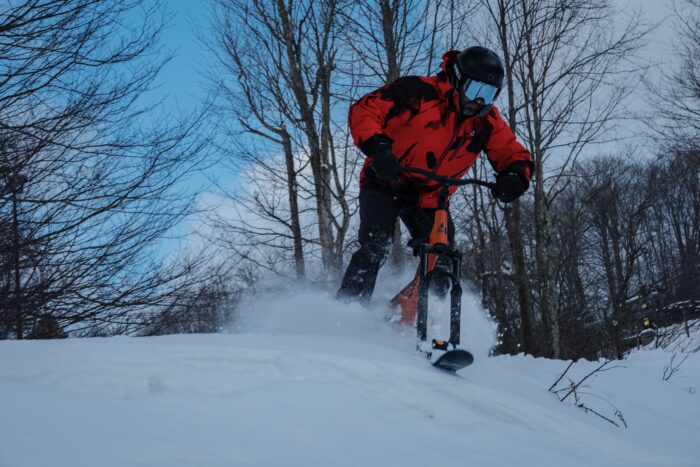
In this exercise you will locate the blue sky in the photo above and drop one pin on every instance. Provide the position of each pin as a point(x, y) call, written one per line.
point(183, 85)
point(181, 81)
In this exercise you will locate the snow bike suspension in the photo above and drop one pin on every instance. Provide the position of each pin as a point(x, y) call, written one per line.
point(413, 299)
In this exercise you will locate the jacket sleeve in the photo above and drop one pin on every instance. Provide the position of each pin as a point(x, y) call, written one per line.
point(366, 119)
point(504, 150)
point(368, 116)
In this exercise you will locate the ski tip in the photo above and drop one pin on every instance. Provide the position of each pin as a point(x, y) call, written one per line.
point(454, 360)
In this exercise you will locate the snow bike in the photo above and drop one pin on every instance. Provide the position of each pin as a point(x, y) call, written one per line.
point(413, 299)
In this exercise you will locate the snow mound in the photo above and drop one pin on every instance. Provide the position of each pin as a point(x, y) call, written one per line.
point(308, 382)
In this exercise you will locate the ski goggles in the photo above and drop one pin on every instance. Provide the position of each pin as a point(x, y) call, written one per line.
point(474, 90)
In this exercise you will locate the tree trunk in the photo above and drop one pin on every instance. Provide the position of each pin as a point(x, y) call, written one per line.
point(396, 258)
point(544, 245)
point(292, 186)
point(512, 212)
point(515, 242)
point(389, 41)
point(319, 158)
point(544, 257)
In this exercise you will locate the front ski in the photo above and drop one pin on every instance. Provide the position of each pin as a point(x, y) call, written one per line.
point(445, 355)
point(454, 360)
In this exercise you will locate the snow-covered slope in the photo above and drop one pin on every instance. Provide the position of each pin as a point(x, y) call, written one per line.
point(308, 382)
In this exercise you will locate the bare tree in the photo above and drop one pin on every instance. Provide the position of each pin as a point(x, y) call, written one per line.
point(207, 308)
point(283, 57)
point(681, 102)
point(256, 104)
point(391, 38)
point(572, 234)
point(254, 226)
point(678, 171)
point(482, 234)
point(672, 230)
point(510, 43)
point(563, 56)
point(89, 175)
point(310, 27)
point(617, 197)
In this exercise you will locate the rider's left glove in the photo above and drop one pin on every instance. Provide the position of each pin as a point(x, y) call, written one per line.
point(510, 185)
point(384, 163)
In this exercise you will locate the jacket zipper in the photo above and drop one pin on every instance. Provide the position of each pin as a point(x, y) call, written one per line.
point(447, 148)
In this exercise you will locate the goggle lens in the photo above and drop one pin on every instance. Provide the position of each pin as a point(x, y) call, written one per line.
point(474, 90)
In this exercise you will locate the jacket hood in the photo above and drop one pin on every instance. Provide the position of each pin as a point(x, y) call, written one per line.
point(448, 60)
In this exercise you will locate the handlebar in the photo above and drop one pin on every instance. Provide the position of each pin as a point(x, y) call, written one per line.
point(449, 181)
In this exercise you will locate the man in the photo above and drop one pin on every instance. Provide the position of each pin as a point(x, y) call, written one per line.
point(438, 123)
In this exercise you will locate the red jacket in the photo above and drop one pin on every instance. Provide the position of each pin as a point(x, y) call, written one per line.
point(421, 117)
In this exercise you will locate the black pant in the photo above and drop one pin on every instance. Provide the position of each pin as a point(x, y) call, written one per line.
point(378, 212)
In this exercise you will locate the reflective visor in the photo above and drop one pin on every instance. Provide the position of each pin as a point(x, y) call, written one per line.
point(476, 89)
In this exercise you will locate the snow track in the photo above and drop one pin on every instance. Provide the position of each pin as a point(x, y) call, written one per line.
point(326, 397)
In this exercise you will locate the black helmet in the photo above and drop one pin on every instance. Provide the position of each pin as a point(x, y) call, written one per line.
point(479, 64)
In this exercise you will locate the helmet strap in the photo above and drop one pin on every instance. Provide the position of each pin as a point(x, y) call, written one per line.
point(455, 77)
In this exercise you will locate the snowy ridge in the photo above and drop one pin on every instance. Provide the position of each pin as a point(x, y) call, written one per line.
point(681, 337)
point(308, 382)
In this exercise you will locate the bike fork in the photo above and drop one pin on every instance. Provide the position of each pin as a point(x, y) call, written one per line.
point(425, 277)
point(456, 299)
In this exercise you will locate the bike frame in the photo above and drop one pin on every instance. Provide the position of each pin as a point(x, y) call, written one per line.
point(413, 299)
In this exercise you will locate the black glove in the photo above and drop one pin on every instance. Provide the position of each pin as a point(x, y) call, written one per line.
point(386, 166)
point(510, 184)
point(384, 163)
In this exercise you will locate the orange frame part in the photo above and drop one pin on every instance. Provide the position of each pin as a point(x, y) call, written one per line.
point(407, 299)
